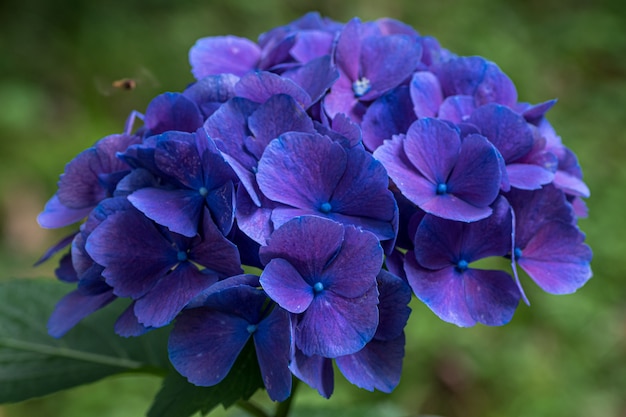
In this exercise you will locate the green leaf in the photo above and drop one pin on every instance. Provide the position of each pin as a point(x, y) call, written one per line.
point(181, 399)
point(32, 363)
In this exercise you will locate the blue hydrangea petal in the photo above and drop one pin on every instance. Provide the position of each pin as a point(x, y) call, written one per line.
point(393, 299)
point(171, 153)
point(316, 371)
point(308, 243)
point(272, 341)
point(315, 77)
point(204, 344)
point(172, 111)
point(301, 170)
point(442, 290)
point(221, 203)
point(498, 227)
point(127, 324)
point(278, 115)
point(284, 284)
point(451, 207)
point(377, 366)
point(55, 214)
point(223, 54)
point(359, 258)
point(557, 259)
point(438, 242)
point(74, 307)
point(507, 130)
point(336, 326)
point(178, 210)
point(533, 114)
point(476, 177)
point(341, 99)
point(211, 91)
point(261, 85)
point(348, 51)
point(213, 251)
point(282, 214)
point(491, 296)
point(457, 109)
point(311, 44)
point(388, 115)
point(255, 220)
point(433, 148)
point(168, 297)
point(386, 61)
point(527, 176)
point(426, 94)
point(132, 251)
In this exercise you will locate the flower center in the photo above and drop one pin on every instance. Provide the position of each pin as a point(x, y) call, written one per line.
point(462, 265)
point(251, 328)
point(517, 253)
point(325, 208)
point(361, 87)
point(203, 191)
point(182, 256)
point(318, 287)
point(442, 188)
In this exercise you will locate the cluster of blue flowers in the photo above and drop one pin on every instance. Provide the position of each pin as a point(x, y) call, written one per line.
point(353, 164)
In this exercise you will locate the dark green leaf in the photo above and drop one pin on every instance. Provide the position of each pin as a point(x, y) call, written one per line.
point(33, 364)
point(181, 399)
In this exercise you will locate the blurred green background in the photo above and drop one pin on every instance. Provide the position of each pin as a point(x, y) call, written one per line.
point(563, 356)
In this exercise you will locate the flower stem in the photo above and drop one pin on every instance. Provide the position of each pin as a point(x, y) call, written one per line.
point(282, 410)
point(252, 409)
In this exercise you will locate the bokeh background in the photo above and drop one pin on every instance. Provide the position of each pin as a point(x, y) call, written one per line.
point(563, 356)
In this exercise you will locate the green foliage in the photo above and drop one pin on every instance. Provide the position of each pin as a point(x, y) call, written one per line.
point(32, 363)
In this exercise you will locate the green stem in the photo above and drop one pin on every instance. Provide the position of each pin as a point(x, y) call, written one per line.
point(282, 410)
point(252, 409)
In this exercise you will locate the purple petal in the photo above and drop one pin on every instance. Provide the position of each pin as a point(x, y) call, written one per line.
point(528, 177)
point(127, 324)
point(335, 326)
point(443, 291)
point(55, 214)
point(386, 61)
point(316, 371)
point(214, 252)
point(278, 115)
point(221, 204)
point(284, 284)
point(433, 148)
point(168, 297)
point(341, 99)
point(438, 242)
point(172, 111)
point(557, 259)
point(311, 44)
point(426, 94)
point(223, 54)
point(272, 341)
point(457, 109)
point(492, 296)
point(571, 184)
point(389, 115)
point(353, 270)
point(507, 130)
point(348, 50)
point(176, 156)
point(307, 243)
point(377, 366)
point(301, 170)
point(178, 210)
point(135, 255)
point(210, 92)
point(74, 307)
point(204, 344)
point(394, 297)
point(315, 77)
point(261, 85)
point(254, 220)
point(451, 207)
point(534, 113)
point(476, 176)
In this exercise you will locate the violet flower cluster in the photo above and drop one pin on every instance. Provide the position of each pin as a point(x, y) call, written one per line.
point(352, 164)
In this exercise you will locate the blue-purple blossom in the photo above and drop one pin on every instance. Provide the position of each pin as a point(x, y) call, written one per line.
point(207, 339)
point(160, 270)
point(324, 273)
point(442, 174)
point(441, 276)
point(309, 174)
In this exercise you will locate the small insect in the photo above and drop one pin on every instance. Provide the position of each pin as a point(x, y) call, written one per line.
point(143, 78)
point(125, 84)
